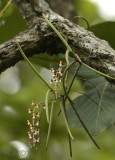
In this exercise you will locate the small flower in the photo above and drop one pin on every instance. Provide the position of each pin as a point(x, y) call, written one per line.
point(44, 107)
point(33, 116)
point(53, 74)
point(37, 105)
point(33, 102)
point(30, 110)
point(29, 132)
point(31, 128)
point(28, 122)
point(38, 139)
point(60, 71)
point(37, 114)
point(60, 64)
point(51, 82)
point(57, 80)
point(30, 135)
point(33, 133)
point(54, 78)
point(60, 79)
point(53, 70)
point(37, 131)
point(37, 123)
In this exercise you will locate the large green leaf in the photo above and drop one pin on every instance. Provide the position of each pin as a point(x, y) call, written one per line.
point(96, 119)
point(106, 31)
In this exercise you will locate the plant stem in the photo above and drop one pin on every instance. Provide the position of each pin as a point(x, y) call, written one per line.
point(57, 32)
point(84, 20)
point(46, 103)
point(65, 118)
point(50, 124)
point(83, 124)
point(69, 138)
point(103, 74)
point(70, 145)
point(67, 56)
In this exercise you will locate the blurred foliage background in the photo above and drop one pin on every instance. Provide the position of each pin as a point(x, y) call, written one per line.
point(19, 86)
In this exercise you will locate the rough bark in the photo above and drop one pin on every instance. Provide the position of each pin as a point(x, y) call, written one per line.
point(41, 38)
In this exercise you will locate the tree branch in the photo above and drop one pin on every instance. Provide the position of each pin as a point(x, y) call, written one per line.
point(40, 38)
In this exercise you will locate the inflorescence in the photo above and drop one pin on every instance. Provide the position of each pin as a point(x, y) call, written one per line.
point(33, 133)
point(57, 78)
point(36, 114)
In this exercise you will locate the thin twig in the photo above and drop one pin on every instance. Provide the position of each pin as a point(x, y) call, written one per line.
point(84, 20)
point(69, 138)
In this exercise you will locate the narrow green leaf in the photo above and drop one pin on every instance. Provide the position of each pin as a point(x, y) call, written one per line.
point(69, 138)
point(70, 146)
point(30, 64)
point(83, 124)
point(58, 33)
point(64, 116)
point(46, 104)
point(103, 74)
point(50, 124)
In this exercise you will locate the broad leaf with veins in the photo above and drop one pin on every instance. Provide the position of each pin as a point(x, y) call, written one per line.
point(96, 119)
